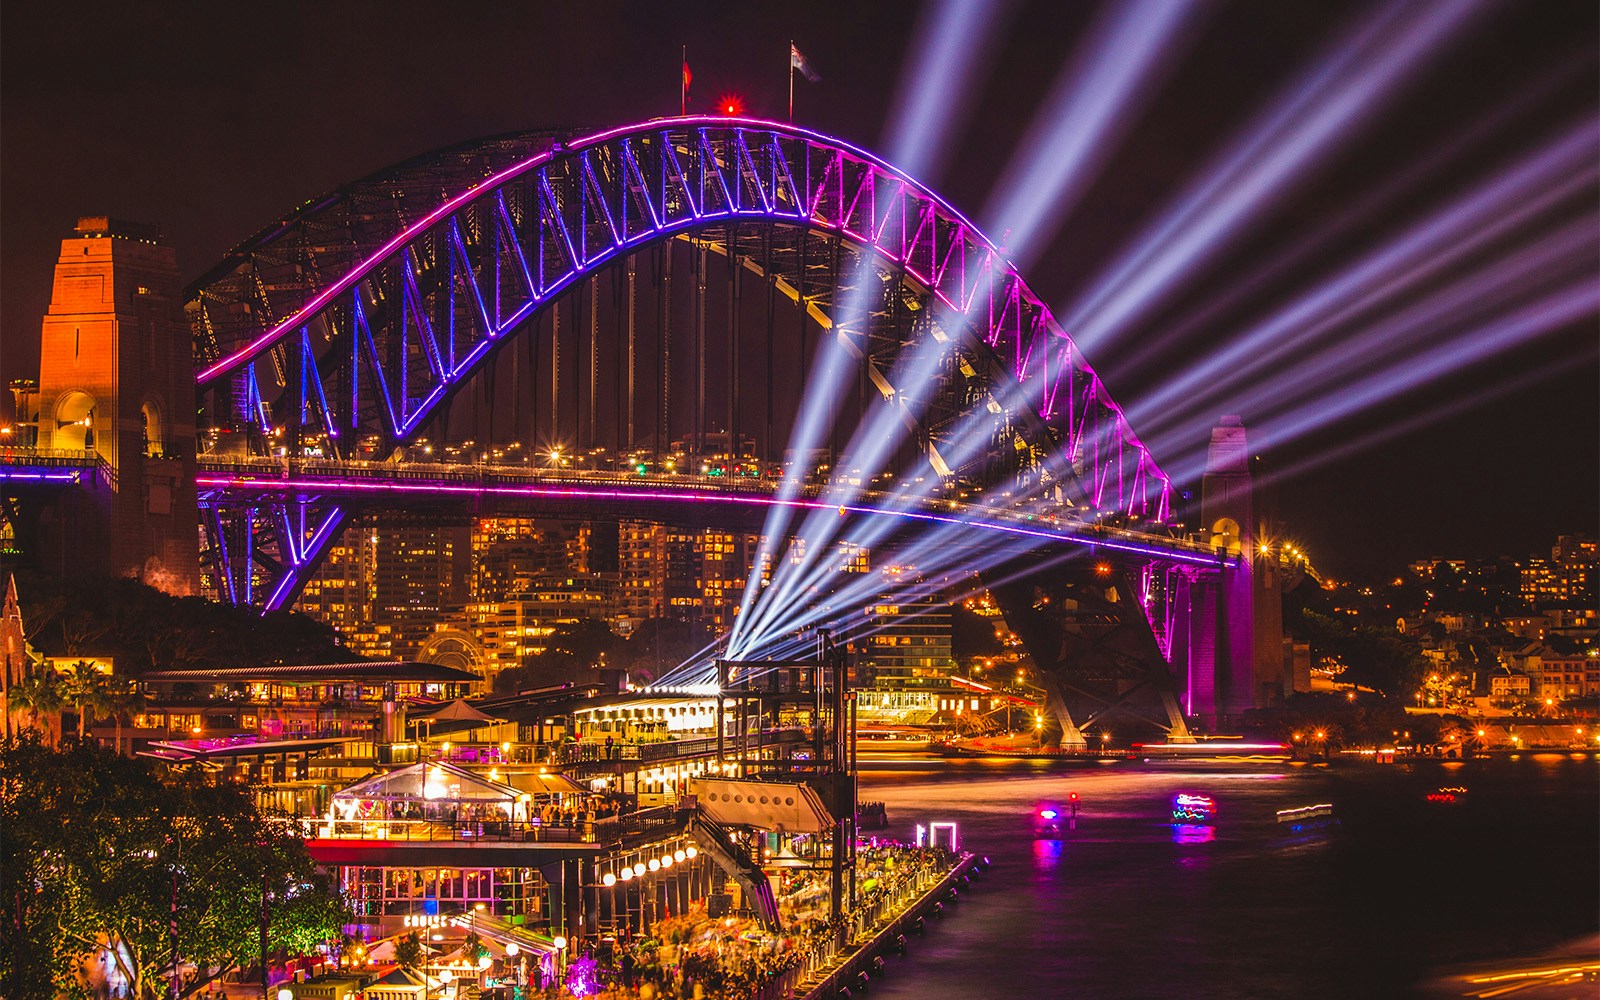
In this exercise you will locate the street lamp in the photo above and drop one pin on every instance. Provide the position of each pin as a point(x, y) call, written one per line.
point(512, 950)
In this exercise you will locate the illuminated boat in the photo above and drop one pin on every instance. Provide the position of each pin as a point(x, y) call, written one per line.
point(1188, 808)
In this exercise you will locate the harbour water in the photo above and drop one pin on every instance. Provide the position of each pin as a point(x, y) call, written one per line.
point(1408, 883)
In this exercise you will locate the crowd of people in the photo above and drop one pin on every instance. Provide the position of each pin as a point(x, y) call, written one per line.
point(872, 816)
point(694, 955)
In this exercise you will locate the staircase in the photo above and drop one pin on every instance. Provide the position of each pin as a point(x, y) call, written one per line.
point(713, 839)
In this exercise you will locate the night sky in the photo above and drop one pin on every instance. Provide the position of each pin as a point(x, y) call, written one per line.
point(213, 119)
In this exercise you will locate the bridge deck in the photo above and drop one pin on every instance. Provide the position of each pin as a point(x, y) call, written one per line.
point(417, 481)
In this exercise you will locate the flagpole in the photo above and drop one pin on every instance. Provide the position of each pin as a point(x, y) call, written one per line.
point(791, 81)
point(683, 85)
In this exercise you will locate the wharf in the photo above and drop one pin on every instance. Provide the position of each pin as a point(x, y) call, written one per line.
point(880, 931)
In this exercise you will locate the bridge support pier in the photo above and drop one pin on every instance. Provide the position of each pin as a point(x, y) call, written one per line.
point(116, 384)
point(1103, 672)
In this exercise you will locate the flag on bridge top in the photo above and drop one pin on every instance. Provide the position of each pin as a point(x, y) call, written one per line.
point(683, 92)
point(798, 61)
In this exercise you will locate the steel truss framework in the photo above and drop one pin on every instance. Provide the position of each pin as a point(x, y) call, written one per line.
point(342, 332)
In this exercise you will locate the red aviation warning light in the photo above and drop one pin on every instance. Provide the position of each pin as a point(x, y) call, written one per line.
point(731, 105)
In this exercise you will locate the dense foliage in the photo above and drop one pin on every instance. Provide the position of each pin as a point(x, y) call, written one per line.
point(144, 628)
point(97, 850)
point(1374, 657)
point(578, 650)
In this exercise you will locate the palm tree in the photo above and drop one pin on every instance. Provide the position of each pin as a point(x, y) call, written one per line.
point(123, 701)
point(40, 693)
point(90, 691)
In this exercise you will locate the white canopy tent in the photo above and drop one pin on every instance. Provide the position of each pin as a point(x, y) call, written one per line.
point(431, 791)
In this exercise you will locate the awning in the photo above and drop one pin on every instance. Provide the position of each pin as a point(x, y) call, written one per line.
point(545, 784)
point(430, 782)
point(455, 711)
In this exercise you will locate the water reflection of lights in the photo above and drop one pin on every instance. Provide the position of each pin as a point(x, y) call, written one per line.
point(1047, 854)
point(1193, 833)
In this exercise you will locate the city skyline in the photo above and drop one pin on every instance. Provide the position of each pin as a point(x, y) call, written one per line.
point(1347, 511)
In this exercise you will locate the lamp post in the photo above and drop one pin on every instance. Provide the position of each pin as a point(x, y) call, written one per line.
point(561, 959)
point(512, 950)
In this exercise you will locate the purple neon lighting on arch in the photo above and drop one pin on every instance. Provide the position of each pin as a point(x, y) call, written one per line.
point(315, 486)
point(989, 259)
point(495, 181)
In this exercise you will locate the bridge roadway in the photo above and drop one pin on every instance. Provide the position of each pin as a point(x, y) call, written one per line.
point(653, 495)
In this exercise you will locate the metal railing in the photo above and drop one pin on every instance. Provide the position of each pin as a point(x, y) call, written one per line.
point(667, 750)
point(58, 458)
point(999, 507)
point(604, 829)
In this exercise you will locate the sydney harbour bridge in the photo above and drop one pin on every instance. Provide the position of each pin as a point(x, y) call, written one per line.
point(705, 320)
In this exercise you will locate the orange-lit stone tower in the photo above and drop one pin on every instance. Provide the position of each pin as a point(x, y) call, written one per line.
point(116, 377)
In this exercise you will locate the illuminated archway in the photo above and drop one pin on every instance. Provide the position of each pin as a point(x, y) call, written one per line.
point(1225, 536)
point(348, 348)
point(152, 428)
point(74, 431)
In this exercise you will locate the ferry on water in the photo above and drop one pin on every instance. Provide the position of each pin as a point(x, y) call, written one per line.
point(892, 740)
point(1220, 751)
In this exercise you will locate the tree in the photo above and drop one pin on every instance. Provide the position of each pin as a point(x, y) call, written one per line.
point(89, 691)
point(40, 694)
point(659, 644)
point(408, 951)
point(143, 628)
point(99, 846)
point(590, 641)
point(973, 635)
point(1379, 658)
point(123, 701)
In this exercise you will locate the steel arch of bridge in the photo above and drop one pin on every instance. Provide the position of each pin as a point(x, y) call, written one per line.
point(352, 345)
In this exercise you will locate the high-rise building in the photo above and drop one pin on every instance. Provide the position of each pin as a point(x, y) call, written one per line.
point(697, 574)
point(908, 643)
point(519, 625)
point(1567, 579)
point(641, 553)
point(509, 550)
point(341, 591)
